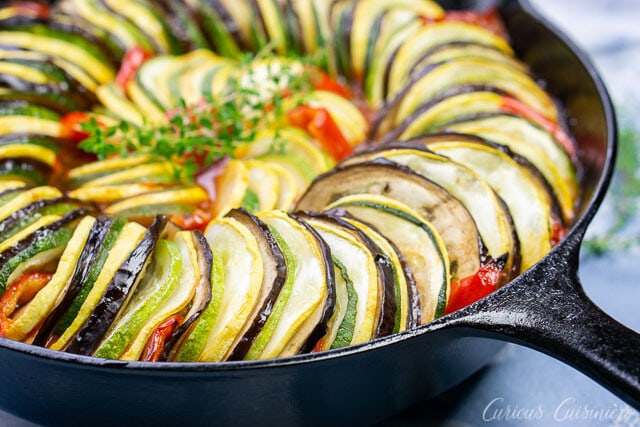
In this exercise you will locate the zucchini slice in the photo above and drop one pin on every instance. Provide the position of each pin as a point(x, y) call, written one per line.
point(231, 187)
point(40, 256)
point(430, 37)
point(416, 238)
point(41, 234)
point(465, 71)
point(536, 145)
point(273, 280)
point(22, 198)
point(201, 297)
point(91, 171)
point(177, 200)
point(148, 20)
point(492, 218)
point(357, 267)
point(124, 249)
point(82, 281)
point(237, 253)
point(367, 11)
point(396, 29)
point(125, 32)
point(526, 200)
point(463, 100)
point(305, 296)
point(159, 282)
point(34, 312)
point(119, 292)
point(264, 183)
point(69, 47)
point(394, 265)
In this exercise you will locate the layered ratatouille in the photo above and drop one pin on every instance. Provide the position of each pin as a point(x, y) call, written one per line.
point(217, 180)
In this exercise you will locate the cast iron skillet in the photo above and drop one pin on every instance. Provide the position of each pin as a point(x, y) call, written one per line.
point(545, 308)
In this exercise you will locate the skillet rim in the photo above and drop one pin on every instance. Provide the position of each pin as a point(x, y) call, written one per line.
point(571, 242)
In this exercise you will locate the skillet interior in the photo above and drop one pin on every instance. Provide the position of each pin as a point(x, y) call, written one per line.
point(356, 385)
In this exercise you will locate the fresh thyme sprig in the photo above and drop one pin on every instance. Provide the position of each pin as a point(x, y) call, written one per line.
point(197, 135)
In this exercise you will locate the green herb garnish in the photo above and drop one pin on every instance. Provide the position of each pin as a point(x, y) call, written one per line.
point(195, 136)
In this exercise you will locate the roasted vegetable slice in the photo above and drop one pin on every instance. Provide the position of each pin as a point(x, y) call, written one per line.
point(416, 238)
point(447, 214)
point(33, 313)
point(306, 299)
point(81, 282)
point(356, 264)
point(527, 201)
point(273, 280)
point(237, 255)
point(122, 249)
point(118, 292)
point(535, 144)
point(491, 216)
point(159, 282)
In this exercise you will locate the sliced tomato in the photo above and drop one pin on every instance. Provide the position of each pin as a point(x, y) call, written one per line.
point(320, 125)
point(322, 81)
point(470, 289)
point(72, 126)
point(512, 105)
point(158, 338)
point(33, 9)
point(131, 63)
point(19, 293)
point(194, 221)
point(488, 19)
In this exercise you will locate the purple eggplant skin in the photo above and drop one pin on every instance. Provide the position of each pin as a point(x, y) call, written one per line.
point(87, 257)
point(263, 234)
point(37, 171)
point(205, 261)
point(330, 304)
point(15, 190)
point(78, 95)
point(389, 304)
point(294, 29)
point(230, 25)
point(174, 11)
point(28, 210)
point(71, 27)
point(118, 292)
point(42, 233)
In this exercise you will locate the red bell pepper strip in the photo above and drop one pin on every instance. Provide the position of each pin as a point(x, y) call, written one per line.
point(19, 293)
point(131, 63)
point(153, 349)
point(558, 231)
point(320, 125)
point(512, 105)
point(470, 289)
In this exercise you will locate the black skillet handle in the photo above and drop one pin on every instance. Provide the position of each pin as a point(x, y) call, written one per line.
point(548, 310)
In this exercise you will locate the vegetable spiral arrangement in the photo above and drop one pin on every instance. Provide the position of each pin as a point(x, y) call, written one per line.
point(169, 186)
